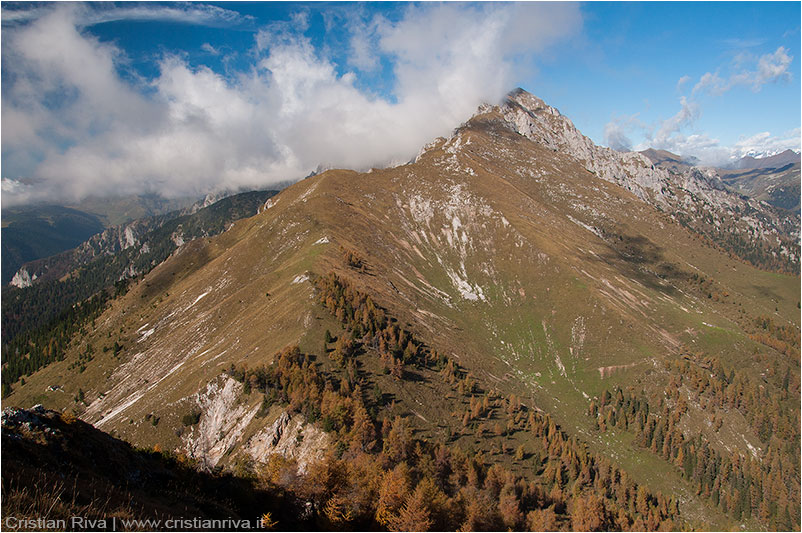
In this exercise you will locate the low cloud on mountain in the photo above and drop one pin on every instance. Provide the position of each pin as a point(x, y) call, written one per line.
point(74, 125)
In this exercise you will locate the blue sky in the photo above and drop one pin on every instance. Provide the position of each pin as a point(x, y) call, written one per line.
point(111, 98)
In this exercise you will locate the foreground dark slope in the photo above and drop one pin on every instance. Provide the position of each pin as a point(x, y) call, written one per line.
point(60, 473)
point(505, 255)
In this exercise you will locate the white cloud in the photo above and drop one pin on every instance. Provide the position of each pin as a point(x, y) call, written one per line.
point(671, 134)
point(615, 136)
point(192, 130)
point(668, 134)
point(100, 12)
point(209, 49)
point(753, 72)
point(699, 146)
point(617, 132)
point(364, 54)
point(709, 151)
point(764, 143)
point(53, 66)
point(711, 82)
point(770, 68)
point(446, 51)
point(688, 113)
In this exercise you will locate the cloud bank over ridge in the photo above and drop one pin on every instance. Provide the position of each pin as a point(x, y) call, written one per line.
point(74, 125)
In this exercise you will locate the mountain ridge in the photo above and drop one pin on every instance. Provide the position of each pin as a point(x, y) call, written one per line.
point(686, 194)
point(497, 248)
point(776, 160)
point(774, 180)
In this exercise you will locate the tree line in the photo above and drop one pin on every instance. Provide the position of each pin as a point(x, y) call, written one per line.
point(378, 475)
point(764, 486)
point(26, 353)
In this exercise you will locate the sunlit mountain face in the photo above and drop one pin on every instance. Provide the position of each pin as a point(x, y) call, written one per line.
point(320, 259)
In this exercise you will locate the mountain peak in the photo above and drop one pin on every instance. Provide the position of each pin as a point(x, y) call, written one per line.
point(528, 101)
point(534, 119)
point(669, 160)
point(788, 157)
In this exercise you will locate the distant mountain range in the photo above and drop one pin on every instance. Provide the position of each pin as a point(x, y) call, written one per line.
point(139, 238)
point(42, 291)
point(668, 160)
point(774, 179)
point(788, 157)
point(36, 231)
point(29, 233)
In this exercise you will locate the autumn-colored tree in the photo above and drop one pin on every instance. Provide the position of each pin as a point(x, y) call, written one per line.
point(587, 513)
point(337, 512)
point(414, 515)
point(438, 504)
point(343, 350)
point(479, 510)
point(509, 507)
point(266, 521)
point(397, 369)
point(392, 494)
point(363, 432)
point(520, 453)
point(324, 478)
point(642, 501)
point(277, 471)
point(495, 479)
point(398, 444)
point(542, 520)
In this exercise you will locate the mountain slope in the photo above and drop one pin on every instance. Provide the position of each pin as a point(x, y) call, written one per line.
point(778, 186)
point(774, 180)
point(33, 232)
point(37, 231)
point(667, 160)
point(696, 197)
point(45, 309)
point(63, 474)
point(138, 237)
point(548, 268)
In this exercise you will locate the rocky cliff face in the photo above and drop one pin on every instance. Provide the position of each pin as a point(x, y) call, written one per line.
point(694, 196)
point(227, 424)
point(22, 279)
point(109, 242)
